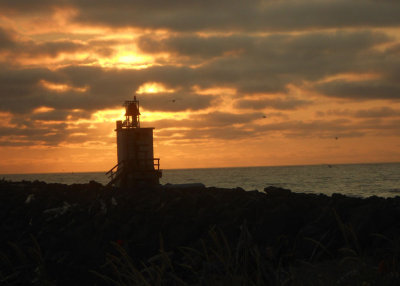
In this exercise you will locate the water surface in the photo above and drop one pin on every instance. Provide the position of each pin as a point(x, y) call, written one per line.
point(361, 180)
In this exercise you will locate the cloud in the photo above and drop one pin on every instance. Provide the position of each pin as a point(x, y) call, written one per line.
point(330, 129)
point(28, 49)
point(222, 15)
point(183, 130)
point(196, 46)
point(360, 90)
point(314, 128)
point(226, 133)
point(51, 129)
point(255, 49)
point(268, 64)
point(195, 136)
point(286, 103)
point(177, 101)
point(60, 115)
point(48, 128)
point(378, 112)
point(224, 118)
point(208, 120)
point(51, 134)
point(51, 48)
point(255, 15)
point(6, 40)
point(28, 6)
point(265, 64)
point(21, 90)
point(310, 43)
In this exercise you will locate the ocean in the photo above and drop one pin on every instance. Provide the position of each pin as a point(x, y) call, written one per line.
point(358, 180)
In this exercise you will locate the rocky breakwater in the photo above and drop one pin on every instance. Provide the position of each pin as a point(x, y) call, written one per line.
point(87, 234)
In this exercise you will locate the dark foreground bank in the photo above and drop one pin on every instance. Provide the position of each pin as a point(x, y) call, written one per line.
point(86, 234)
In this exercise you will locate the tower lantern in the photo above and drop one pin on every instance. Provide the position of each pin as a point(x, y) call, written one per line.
point(136, 163)
point(132, 114)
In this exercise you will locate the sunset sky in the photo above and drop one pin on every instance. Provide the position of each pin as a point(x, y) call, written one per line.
point(224, 82)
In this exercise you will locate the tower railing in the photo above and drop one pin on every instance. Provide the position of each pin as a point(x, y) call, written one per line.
point(113, 171)
point(156, 164)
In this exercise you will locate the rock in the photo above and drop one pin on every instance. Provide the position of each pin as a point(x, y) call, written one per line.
point(190, 186)
point(76, 226)
point(277, 192)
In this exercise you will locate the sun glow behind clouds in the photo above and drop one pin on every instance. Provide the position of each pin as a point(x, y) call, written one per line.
point(153, 87)
point(112, 115)
point(148, 116)
point(108, 115)
point(127, 59)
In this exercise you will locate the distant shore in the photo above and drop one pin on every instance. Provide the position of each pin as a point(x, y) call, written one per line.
point(87, 234)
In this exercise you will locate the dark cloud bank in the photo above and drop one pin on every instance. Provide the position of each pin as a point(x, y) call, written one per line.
point(254, 52)
point(225, 15)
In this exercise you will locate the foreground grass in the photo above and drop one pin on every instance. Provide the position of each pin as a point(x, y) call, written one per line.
point(217, 262)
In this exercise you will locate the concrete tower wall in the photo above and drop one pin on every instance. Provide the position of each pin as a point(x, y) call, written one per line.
point(136, 145)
